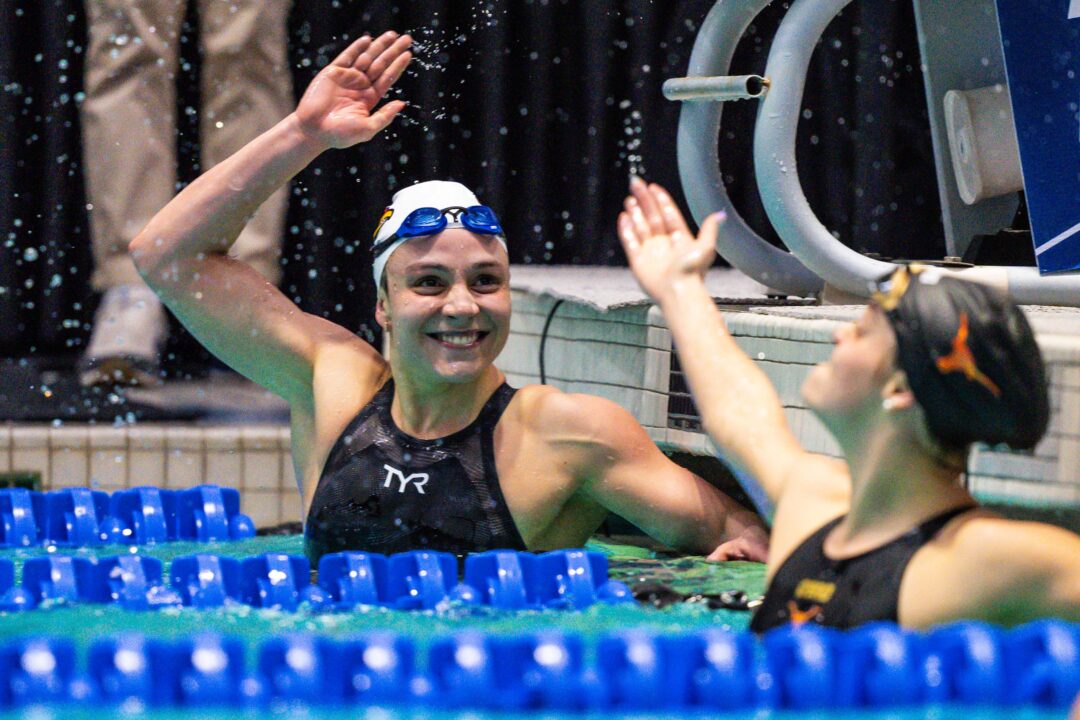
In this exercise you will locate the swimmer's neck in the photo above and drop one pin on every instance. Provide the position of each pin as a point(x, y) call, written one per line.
point(430, 409)
point(895, 485)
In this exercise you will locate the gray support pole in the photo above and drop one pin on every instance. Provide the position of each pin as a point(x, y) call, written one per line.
point(785, 202)
point(721, 88)
point(774, 153)
point(699, 164)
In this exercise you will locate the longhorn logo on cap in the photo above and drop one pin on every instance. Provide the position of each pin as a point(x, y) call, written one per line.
point(962, 360)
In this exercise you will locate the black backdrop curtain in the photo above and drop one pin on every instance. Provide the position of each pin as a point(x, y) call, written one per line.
point(542, 106)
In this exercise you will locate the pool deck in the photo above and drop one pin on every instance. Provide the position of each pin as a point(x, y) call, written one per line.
point(604, 338)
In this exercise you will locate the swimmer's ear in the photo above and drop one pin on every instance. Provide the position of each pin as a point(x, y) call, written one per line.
point(382, 312)
point(896, 394)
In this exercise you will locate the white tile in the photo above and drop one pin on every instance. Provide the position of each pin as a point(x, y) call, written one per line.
point(1068, 463)
point(224, 468)
point(75, 437)
point(262, 458)
point(5, 447)
point(262, 507)
point(108, 469)
point(108, 458)
point(69, 456)
point(224, 456)
point(1067, 420)
point(30, 450)
point(146, 456)
point(184, 459)
point(68, 468)
point(291, 509)
point(109, 438)
point(286, 473)
point(260, 437)
point(1004, 464)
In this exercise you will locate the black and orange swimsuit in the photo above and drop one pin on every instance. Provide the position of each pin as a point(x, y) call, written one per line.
point(384, 491)
point(813, 588)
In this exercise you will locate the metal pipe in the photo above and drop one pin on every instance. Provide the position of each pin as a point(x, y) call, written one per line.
point(719, 88)
point(699, 163)
point(782, 193)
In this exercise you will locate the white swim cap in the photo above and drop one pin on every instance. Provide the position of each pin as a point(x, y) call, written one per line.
point(433, 193)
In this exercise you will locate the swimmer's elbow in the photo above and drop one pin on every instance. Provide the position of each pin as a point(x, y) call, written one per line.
point(146, 254)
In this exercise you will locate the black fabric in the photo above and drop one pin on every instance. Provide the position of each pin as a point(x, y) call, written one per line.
point(542, 108)
point(384, 491)
point(970, 357)
point(38, 389)
point(842, 593)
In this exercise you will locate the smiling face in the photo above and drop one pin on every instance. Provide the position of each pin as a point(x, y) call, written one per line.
point(446, 306)
point(851, 382)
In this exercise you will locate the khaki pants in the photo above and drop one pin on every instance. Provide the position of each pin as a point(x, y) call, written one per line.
point(129, 123)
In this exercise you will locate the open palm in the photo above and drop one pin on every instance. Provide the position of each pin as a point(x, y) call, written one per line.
point(658, 243)
point(339, 106)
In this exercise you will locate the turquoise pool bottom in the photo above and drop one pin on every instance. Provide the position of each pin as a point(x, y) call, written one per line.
point(85, 623)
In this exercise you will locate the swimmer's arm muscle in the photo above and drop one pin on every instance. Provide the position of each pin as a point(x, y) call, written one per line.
point(231, 309)
point(740, 409)
point(622, 469)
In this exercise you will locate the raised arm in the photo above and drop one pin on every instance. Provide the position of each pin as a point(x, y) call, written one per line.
point(181, 253)
point(740, 409)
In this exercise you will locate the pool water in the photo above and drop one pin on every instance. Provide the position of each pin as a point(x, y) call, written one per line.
point(85, 623)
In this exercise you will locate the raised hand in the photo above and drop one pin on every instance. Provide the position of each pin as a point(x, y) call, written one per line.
point(338, 107)
point(659, 245)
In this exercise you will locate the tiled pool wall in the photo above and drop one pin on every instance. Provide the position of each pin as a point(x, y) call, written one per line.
point(623, 354)
point(254, 459)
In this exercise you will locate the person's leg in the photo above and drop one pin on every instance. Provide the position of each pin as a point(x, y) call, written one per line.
point(246, 89)
point(128, 129)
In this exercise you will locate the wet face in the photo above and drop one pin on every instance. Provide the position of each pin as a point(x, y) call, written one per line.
point(854, 377)
point(446, 307)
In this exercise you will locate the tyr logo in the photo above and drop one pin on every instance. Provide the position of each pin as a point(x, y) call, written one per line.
point(417, 479)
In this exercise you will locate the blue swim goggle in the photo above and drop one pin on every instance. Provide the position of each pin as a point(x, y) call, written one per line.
point(431, 221)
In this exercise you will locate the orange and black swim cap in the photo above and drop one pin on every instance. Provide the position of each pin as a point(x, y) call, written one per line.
point(970, 357)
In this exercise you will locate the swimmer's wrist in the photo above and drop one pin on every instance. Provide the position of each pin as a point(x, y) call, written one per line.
point(682, 289)
point(305, 140)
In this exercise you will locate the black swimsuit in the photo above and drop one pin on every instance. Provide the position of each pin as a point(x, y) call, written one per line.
point(384, 491)
point(812, 588)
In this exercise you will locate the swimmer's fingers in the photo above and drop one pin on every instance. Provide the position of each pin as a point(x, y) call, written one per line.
point(349, 55)
point(385, 115)
point(640, 225)
point(367, 58)
point(673, 218)
point(387, 79)
point(710, 229)
point(630, 241)
point(382, 62)
point(649, 207)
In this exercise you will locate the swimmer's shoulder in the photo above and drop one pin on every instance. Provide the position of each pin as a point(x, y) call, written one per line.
point(984, 566)
point(580, 417)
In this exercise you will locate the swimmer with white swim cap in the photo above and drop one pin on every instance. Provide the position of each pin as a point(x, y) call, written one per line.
point(933, 365)
point(427, 447)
